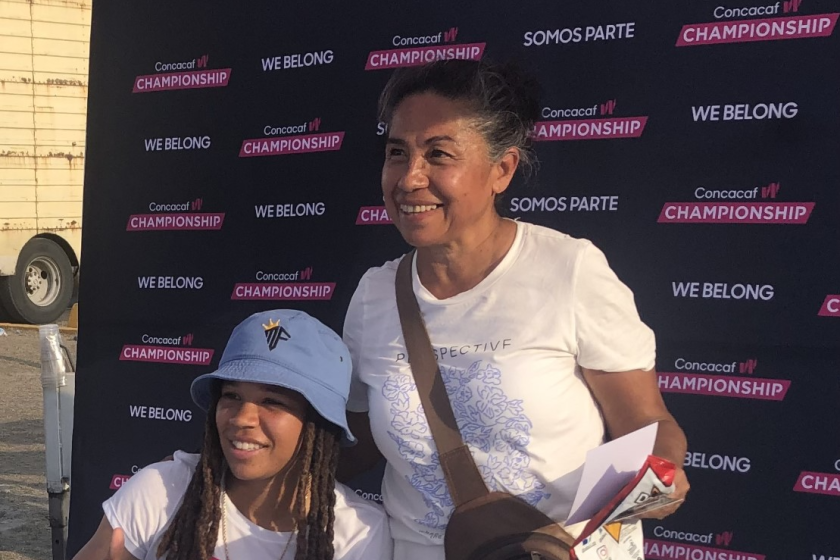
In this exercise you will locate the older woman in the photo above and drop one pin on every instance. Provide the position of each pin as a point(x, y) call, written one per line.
point(539, 343)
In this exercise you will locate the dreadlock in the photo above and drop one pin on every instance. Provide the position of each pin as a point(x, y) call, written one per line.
point(195, 527)
point(316, 491)
point(194, 530)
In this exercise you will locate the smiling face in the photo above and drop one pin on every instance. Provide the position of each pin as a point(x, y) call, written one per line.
point(259, 428)
point(438, 180)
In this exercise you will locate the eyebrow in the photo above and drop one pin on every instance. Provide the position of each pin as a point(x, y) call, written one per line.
point(432, 140)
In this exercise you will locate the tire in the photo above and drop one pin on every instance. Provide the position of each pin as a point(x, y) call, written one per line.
point(4, 317)
point(42, 286)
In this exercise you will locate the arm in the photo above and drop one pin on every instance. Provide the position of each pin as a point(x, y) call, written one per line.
point(106, 544)
point(631, 400)
point(363, 456)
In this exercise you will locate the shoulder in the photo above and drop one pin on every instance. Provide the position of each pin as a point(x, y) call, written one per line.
point(361, 527)
point(550, 246)
point(375, 283)
point(385, 273)
point(165, 475)
point(534, 234)
point(145, 503)
point(157, 487)
point(179, 470)
point(349, 506)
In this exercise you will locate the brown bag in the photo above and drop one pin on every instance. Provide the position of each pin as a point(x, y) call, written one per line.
point(485, 525)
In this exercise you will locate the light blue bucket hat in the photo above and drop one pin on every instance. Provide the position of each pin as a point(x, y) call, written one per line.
point(290, 349)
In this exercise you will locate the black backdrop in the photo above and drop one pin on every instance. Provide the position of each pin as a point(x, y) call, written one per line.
point(169, 233)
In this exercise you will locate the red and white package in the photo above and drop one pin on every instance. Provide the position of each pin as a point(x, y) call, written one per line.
point(615, 532)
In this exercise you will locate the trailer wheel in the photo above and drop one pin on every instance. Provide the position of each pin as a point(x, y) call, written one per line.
point(41, 289)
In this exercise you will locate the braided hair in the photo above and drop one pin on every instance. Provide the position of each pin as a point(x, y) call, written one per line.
point(194, 530)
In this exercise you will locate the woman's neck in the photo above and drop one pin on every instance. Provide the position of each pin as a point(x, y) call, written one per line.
point(271, 504)
point(452, 269)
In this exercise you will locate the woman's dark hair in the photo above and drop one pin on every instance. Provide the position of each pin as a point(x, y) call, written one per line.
point(194, 530)
point(504, 100)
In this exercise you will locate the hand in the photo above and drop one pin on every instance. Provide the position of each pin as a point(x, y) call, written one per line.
point(106, 544)
point(681, 488)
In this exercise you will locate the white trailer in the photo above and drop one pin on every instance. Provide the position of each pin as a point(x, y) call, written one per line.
point(44, 47)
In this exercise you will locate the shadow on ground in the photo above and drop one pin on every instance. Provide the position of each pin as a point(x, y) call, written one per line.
point(21, 432)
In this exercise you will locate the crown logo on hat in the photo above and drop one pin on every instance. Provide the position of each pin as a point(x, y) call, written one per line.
point(274, 333)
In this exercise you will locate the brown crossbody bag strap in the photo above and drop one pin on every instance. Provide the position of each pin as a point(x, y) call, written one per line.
point(484, 525)
point(462, 476)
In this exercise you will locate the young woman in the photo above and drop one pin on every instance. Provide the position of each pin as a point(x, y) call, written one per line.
point(263, 486)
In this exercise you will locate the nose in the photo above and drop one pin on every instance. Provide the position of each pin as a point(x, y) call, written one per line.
point(416, 175)
point(245, 416)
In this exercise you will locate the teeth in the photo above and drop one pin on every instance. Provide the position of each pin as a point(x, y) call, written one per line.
point(243, 446)
point(416, 209)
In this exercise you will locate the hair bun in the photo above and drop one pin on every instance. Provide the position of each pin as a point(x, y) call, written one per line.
point(524, 90)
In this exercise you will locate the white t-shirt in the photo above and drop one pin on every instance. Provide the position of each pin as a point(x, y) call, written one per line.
point(510, 352)
point(144, 506)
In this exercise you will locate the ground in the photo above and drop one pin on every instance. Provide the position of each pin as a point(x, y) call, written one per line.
point(24, 524)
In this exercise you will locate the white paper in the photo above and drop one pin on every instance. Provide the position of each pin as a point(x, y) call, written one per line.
point(608, 469)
